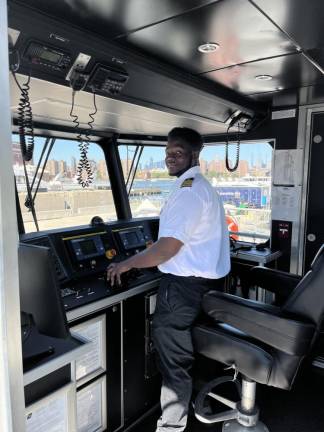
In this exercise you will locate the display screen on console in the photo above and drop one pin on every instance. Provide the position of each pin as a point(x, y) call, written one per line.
point(87, 247)
point(132, 238)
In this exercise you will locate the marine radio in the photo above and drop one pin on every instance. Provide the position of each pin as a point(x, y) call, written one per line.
point(47, 56)
point(108, 80)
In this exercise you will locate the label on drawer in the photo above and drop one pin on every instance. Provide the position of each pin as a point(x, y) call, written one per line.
point(90, 407)
point(94, 359)
point(50, 416)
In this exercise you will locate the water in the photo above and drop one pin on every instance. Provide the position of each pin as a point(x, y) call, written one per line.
point(164, 185)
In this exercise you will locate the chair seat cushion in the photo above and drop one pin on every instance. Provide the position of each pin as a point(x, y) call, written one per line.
point(229, 346)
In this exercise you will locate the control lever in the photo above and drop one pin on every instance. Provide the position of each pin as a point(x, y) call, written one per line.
point(125, 278)
point(122, 285)
point(78, 294)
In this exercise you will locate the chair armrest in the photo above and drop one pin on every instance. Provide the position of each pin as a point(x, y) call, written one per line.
point(276, 281)
point(263, 322)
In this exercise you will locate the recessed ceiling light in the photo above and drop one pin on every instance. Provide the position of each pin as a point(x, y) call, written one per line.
point(280, 88)
point(263, 77)
point(208, 47)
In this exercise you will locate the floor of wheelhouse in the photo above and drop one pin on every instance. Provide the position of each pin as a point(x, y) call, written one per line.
point(298, 410)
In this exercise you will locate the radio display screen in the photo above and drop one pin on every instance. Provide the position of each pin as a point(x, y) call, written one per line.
point(50, 56)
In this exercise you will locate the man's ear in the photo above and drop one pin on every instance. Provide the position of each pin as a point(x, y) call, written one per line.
point(195, 158)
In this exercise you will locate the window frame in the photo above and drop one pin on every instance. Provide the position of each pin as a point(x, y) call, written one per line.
point(125, 143)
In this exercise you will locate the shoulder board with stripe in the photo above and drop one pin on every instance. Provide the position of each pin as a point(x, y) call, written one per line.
point(187, 182)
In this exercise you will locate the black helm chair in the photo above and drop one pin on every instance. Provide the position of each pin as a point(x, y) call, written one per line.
point(265, 343)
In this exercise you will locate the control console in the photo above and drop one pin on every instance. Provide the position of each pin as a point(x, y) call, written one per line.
point(82, 256)
point(90, 253)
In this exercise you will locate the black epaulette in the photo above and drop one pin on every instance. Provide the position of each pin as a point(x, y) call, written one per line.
point(187, 182)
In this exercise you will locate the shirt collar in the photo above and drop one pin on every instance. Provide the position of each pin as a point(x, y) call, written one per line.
point(191, 172)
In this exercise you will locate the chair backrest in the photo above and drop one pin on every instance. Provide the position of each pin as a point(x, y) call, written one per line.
point(307, 299)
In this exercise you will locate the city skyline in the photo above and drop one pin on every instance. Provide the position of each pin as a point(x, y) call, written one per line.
point(65, 149)
point(212, 161)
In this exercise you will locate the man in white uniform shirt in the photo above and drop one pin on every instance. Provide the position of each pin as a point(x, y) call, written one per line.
point(192, 252)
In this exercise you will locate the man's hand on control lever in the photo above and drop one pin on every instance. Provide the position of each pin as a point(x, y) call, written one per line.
point(160, 252)
point(115, 270)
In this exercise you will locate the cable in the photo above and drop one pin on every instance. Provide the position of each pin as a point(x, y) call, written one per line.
point(74, 116)
point(237, 159)
point(25, 120)
point(84, 170)
point(30, 198)
point(25, 127)
point(89, 130)
point(91, 115)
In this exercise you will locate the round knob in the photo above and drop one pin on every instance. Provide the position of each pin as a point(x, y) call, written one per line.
point(111, 253)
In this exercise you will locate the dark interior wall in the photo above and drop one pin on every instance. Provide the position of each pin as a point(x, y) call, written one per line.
point(314, 235)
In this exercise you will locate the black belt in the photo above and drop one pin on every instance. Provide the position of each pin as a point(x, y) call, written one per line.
point(195, 279)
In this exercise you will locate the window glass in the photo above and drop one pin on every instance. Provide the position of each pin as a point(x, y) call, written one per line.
point(246, 193)
point(151, 183)
point(61, 201)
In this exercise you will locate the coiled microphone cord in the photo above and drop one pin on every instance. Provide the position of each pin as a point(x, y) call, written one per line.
point(25, 120)
point(237, 158)
point(84, 172)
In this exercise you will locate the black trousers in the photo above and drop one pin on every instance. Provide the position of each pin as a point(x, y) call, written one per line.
point(178, 305)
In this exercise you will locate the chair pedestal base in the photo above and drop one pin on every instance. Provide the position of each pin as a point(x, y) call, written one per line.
point(234, 426)
point(243, 415)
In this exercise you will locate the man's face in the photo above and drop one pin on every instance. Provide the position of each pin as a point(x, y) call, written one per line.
point(178, 157)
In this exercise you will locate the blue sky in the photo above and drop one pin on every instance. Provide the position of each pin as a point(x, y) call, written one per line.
point(253, 151)
point(64, 149)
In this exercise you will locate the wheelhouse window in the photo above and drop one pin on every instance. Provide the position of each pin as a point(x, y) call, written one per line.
point(147, 180)
point(59, 199)
point(246, 192)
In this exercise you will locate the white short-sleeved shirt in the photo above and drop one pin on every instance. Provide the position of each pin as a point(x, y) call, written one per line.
point(194, 214)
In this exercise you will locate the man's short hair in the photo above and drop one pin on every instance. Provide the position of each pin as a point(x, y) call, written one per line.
point(187, 135)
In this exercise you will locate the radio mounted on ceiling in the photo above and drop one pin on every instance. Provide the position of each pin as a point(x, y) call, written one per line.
point(108, 80)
